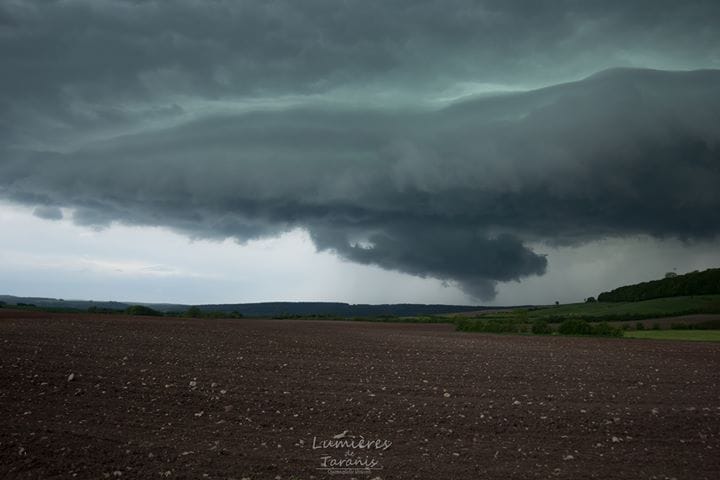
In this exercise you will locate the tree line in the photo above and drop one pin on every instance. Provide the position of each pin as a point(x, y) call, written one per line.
point(706, 282)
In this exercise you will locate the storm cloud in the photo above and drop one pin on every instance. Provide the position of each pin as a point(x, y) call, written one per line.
point(369, 127)
point(48, 213)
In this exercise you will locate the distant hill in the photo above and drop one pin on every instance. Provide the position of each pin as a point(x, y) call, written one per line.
point(58, 303)
point(266, 309)
point(706, 282)
point(337, 309)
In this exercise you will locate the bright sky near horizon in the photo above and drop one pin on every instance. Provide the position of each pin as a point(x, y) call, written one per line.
point(56, 258)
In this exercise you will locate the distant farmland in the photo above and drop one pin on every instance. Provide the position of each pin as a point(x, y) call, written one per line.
point(613, 311)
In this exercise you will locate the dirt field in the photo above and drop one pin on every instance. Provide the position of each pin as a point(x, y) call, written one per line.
point(116, 397)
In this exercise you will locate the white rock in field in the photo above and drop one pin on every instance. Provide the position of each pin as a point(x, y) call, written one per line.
point(446, 394)
point(568, 457)
point(615, 439)
point(71, 377)
point(193, 383)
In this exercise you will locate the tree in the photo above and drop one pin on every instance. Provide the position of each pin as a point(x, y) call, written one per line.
point(670, 275)
point(194, 312)
point(143, 310)
point(590, 300)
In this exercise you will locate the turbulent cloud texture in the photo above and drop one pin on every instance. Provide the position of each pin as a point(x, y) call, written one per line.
point(249, 119)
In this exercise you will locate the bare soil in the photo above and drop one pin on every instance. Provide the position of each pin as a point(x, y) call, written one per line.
point(93, 396)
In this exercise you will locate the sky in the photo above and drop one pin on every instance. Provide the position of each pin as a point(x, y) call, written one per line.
point(424, 151)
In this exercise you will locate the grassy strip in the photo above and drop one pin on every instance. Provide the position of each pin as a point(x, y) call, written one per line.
point(492, 325)
point(378, 319)
point(690, 335)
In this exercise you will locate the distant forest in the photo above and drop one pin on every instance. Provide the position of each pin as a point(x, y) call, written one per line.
point(706, 282)
point(266, 309)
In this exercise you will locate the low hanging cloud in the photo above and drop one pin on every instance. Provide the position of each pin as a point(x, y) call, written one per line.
point(48, 212)
point(250, 119)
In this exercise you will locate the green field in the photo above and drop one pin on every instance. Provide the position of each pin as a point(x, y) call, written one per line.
point(609, 311)
point(693, 335)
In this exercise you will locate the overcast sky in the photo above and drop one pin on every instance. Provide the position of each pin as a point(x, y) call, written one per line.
point(454, 151)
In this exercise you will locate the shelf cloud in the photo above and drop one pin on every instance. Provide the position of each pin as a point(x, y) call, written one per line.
point(250, 119)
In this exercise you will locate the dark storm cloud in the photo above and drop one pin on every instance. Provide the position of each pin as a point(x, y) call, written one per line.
point(450, 193)
point(460, 253)
point(241, 119)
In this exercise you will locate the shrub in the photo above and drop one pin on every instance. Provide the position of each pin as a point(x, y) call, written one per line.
point(573, 326)
point(541, 327)
point(581, 327)
point(706, 325)
point(604, 329)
